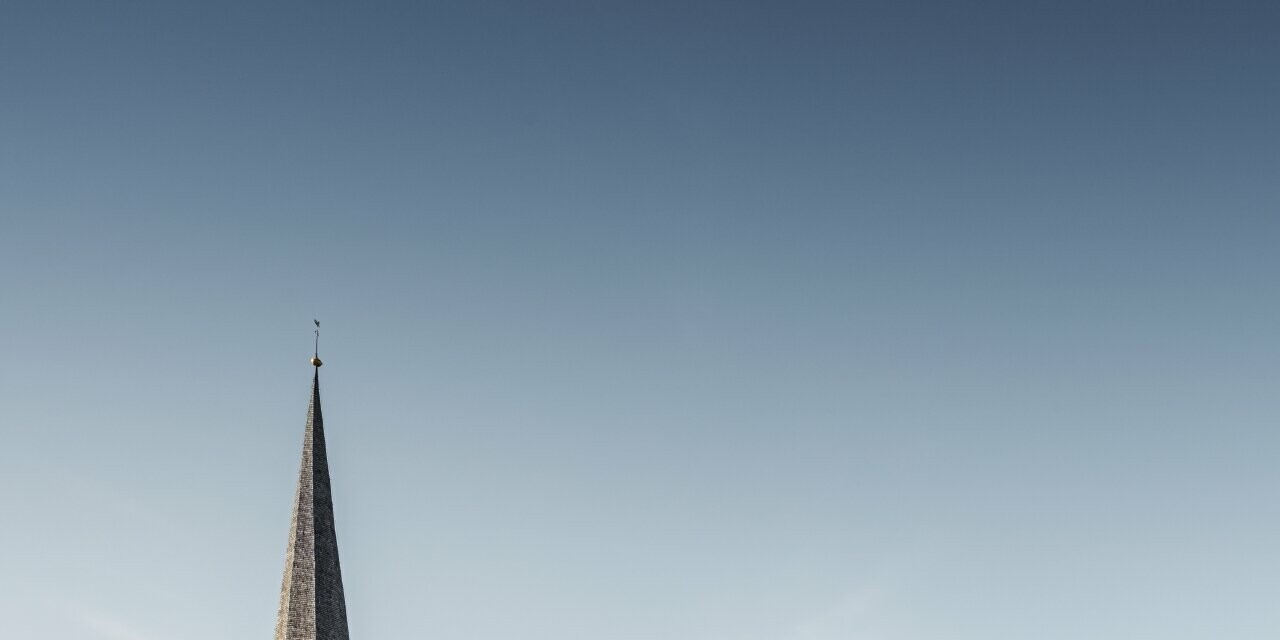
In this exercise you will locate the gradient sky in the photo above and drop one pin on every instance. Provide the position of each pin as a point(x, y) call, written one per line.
point(645, 321)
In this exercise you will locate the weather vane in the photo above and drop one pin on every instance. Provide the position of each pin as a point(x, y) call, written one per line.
point(315, 358)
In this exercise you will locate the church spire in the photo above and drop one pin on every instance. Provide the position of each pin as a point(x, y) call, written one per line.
point(312, 606)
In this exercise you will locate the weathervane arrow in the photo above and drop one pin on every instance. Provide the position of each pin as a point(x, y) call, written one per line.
point(315, 357)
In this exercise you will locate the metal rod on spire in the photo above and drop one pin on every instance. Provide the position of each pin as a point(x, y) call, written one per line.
point(315, 357)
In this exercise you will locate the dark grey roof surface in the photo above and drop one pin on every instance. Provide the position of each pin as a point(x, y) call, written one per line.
point(312, 606)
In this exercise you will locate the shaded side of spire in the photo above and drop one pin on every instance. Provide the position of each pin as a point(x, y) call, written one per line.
point(312, 605)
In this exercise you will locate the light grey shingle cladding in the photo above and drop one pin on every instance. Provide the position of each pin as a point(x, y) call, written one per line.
point(312, 606)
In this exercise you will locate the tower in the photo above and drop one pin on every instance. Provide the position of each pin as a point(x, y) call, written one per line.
point(312, 606)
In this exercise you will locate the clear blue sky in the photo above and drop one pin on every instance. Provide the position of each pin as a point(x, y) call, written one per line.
point(645, 321)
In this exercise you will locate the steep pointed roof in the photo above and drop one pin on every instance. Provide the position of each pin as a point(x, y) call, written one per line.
point(312, 606)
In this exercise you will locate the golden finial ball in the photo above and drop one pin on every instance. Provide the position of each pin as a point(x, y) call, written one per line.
point(315, 361)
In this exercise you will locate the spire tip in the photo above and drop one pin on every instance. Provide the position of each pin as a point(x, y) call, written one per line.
point(315, 357)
